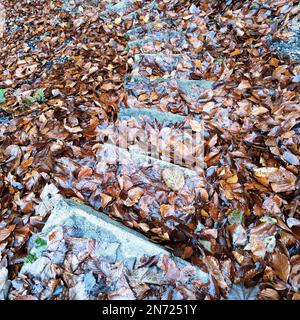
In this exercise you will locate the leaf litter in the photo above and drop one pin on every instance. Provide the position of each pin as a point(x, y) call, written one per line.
point(239, 220)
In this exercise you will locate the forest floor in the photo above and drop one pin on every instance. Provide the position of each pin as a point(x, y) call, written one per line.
point(73, 72)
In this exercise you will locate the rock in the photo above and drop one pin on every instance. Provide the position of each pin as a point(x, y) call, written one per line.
point(173, 178)
point(117, 242)
point(42, 267)
point(78, 292)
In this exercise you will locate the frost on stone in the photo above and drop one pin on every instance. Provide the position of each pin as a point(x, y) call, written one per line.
point(240, 292)
point(49, 197)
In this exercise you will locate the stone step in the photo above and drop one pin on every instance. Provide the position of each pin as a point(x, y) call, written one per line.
point(156, 42)
point(122, 7)
point(117, 239)
point(186, 85)
point(177, 37)
point(105, 240)
point(173, 95)
point(125, 9)
point(158, 20)
point(158, 24)
point(151, 115)
point(134, 155)
point(161, 135)
point(133, 9)
point(153, 20)
point(151, 7)
point(140, 188)
point(181, 66)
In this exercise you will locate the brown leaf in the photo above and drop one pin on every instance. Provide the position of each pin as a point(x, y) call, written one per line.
point(258, 247)
point(268, 294)
point(281, 265)
point(166, 210)
point(105, 199)
point(214, 268)
point(85, 172)
point(281, 180)
point(134, 196)
point(5, 232)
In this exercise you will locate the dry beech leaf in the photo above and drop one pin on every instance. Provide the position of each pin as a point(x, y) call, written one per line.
point(85, 172)
point(6, 232)
point(134, 196)
point(281, 180)
point(105, 199)
point(281, 265)
point(166, 210)
point(257, 111)
point(258, 247)
point(214, 268)
point(268, 294)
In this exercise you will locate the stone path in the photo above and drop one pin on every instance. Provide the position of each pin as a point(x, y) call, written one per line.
point(119, 243)
point(167, 96)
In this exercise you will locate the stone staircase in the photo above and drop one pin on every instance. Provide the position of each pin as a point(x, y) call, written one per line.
point(165, 90)
point(164, 107)
point(169, 93)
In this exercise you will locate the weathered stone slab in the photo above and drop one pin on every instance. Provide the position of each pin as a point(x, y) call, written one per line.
point(132, 156)
point(4, 283)
point(121, 6)
point(163, 36)
point(151, 114)
point(180, 66)
point(135, 14)
point(116, 241)
point(158, 27)
point(187, 86)
point(175, 95)
point(96, 225)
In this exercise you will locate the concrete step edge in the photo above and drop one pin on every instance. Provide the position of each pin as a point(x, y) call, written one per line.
point(116, 240)
point(139, 158)
point(208, 84)
point(152, 114)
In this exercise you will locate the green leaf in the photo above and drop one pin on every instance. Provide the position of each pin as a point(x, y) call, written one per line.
point(235, 217)
point(30, 258)
point(268, 220)
point(40, 242)
point(2, 95)
point(39, 96)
